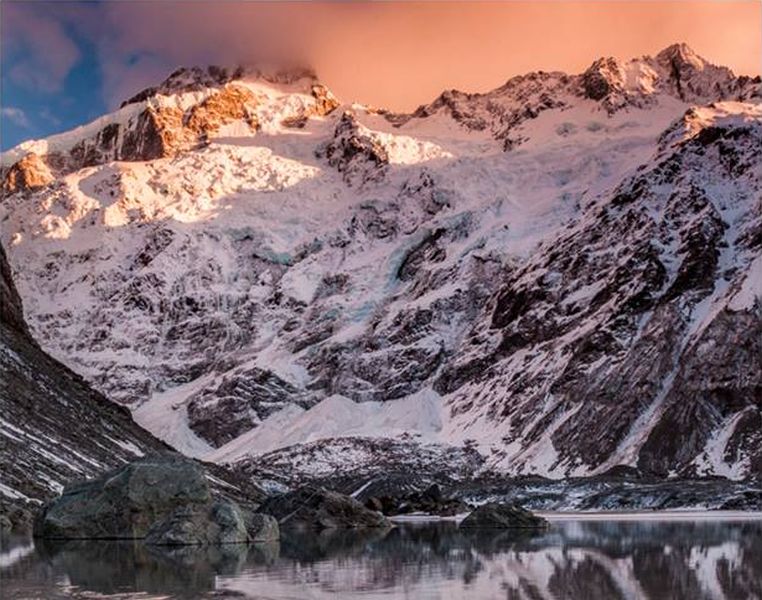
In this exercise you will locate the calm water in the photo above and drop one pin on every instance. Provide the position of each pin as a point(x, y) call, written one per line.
point(575, 559)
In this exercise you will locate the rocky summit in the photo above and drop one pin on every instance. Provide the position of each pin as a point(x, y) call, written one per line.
point(558, 277)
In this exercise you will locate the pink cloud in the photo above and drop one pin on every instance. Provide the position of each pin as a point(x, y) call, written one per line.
point(400, 54)
point(391, 54)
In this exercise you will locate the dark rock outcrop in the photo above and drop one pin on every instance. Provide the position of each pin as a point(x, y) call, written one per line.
point(602, 78)
point(429, 501)
point(222, 522)
point(11, 311)
point(355, 152)
point(16, 518)
point(260, 527)
point(502, 516)
point(222, 411)
point(312, 507)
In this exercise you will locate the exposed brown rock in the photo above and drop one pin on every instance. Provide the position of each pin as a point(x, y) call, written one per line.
point(230, 104)
point(325, 101)
point(159, 133)
point(28, 173)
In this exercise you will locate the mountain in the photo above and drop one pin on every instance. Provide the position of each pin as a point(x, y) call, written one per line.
point(557, 277)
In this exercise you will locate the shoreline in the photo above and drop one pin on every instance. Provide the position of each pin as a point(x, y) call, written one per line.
point(688, 514)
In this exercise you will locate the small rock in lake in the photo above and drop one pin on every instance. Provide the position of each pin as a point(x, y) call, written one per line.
point(317, 508)
point(261, 527)
point(495, 515)
point(430, 501)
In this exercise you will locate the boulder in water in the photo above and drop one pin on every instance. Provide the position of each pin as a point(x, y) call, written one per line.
point(164, 498)
point(313, 507)
point(495, 515)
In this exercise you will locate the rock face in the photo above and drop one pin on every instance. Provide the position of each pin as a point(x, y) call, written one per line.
point(222, 522)
point(261, 527)
point(649, 271)
point(161, 130)
point(502, 516)
point(11, 312)
point(156, 123)
point(355, 152)
point(317, 508)
point(254, 394)
point(164, 498)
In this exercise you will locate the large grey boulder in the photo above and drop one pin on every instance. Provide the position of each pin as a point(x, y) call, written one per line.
point(164, 498)
point(496, 515)
point(314, 507)
point(126, 502)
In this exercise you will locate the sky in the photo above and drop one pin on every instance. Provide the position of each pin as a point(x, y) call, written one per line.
point(65, 63)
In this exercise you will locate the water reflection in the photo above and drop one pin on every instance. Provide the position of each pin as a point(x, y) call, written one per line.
point(574, 559)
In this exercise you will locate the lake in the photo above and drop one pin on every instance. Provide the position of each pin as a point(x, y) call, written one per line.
point(682, 555)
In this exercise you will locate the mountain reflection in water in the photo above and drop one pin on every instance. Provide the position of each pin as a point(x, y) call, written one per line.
point(574, 559)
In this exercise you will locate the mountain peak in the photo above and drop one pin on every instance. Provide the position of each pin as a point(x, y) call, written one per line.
point(191, 79)
point(603, 77)
point(676, 71)
point(681, 55)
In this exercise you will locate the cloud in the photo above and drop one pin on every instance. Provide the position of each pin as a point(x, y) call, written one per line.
point(147, 40)
point(15, 115)
point(36, 46)
point(400, 54)
point(391, 54)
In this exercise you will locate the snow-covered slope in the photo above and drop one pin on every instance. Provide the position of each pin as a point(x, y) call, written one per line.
point(53, 427)
point(562, 273)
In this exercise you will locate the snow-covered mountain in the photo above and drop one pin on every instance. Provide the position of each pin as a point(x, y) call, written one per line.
point(558, 277)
